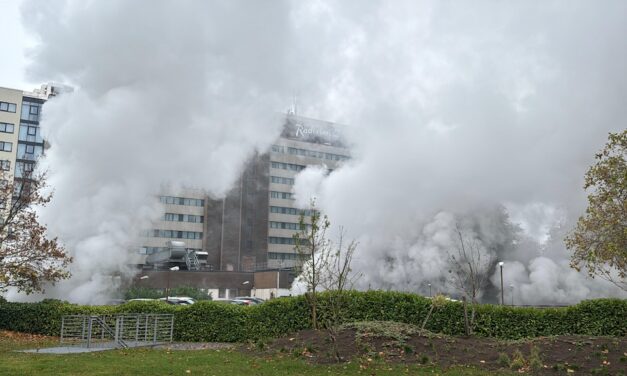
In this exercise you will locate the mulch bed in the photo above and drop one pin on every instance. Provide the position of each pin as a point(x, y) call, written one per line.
point(574, 355)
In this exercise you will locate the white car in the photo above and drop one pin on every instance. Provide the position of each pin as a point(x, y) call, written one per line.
point(178, 300)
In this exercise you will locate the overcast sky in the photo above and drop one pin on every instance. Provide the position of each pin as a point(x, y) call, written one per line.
point(14, 43)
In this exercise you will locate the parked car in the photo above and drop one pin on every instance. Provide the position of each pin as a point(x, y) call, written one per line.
point(178, 300)
point(141, 300)
point(222, 300)
point(252, 299)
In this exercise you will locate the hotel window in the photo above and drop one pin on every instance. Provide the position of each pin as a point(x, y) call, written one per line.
point(174, 217)
point(7, 127)
point(181, 201)
point(6, 146)
point(292, 211)
point(278, 149)
point(286, 225)
point(8, 107)
point(23, 168)
point(5, 165)
point(30, 133)
point(281, 195)
point(283, 256)
point(280, 240)
point(281, 180)
point(30, 111)
point(288, 166)
point(316, 154)
point(29, 152)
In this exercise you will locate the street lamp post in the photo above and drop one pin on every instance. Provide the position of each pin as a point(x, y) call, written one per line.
point(502, 294)
point(167, 289)
point(278, 278)
point(430, 290)
point(511, 292)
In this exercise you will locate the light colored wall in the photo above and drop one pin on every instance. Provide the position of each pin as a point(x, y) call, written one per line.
point(11, 96)
point(267, 294)
point(179, 226)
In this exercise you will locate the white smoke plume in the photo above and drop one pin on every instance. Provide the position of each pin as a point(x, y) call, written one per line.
point(459, 111)
point(164, 94)
point(454, 111)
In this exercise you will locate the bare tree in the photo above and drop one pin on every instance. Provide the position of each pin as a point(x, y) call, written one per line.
point(339, 275)
point(338, 278)
point(28, 258)
point(469, 271)
point(312, 248)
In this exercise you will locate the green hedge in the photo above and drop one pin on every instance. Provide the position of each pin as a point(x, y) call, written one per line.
point(211, 321)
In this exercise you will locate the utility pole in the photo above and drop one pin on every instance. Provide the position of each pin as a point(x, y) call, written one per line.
point(502, 294)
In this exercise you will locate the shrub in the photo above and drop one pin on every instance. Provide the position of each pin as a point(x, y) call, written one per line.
point(211, 321)
point(535, 362)
point(504, 360)
point(518, 360)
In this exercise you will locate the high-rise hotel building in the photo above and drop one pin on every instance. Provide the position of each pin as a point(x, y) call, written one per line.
point(252, 227)
point(21, 143)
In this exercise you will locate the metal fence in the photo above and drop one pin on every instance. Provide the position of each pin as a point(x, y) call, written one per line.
point(117, 331)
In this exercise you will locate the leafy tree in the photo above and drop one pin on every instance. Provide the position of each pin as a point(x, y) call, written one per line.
point(28, 258)
point(599, 241)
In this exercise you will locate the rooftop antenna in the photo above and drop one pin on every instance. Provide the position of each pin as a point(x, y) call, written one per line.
point(294, 105)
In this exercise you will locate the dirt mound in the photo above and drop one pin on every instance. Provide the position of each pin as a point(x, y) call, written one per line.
point(402, 343)
point(18, 336)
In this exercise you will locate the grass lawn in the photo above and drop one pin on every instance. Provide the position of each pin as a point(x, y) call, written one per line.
point(197, 362)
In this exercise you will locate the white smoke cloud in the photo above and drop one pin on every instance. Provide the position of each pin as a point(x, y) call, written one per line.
point(459, 109)
point(307, 185)
point(453, 109)
point(164, 94)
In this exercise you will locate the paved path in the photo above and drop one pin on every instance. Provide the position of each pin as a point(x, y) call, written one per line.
point(165, 346)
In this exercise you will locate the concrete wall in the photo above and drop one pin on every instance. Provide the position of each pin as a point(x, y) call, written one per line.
point(270, 278)
point(221, 284)
point(204, 280)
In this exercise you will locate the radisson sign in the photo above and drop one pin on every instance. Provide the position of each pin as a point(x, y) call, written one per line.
point(310, 130)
